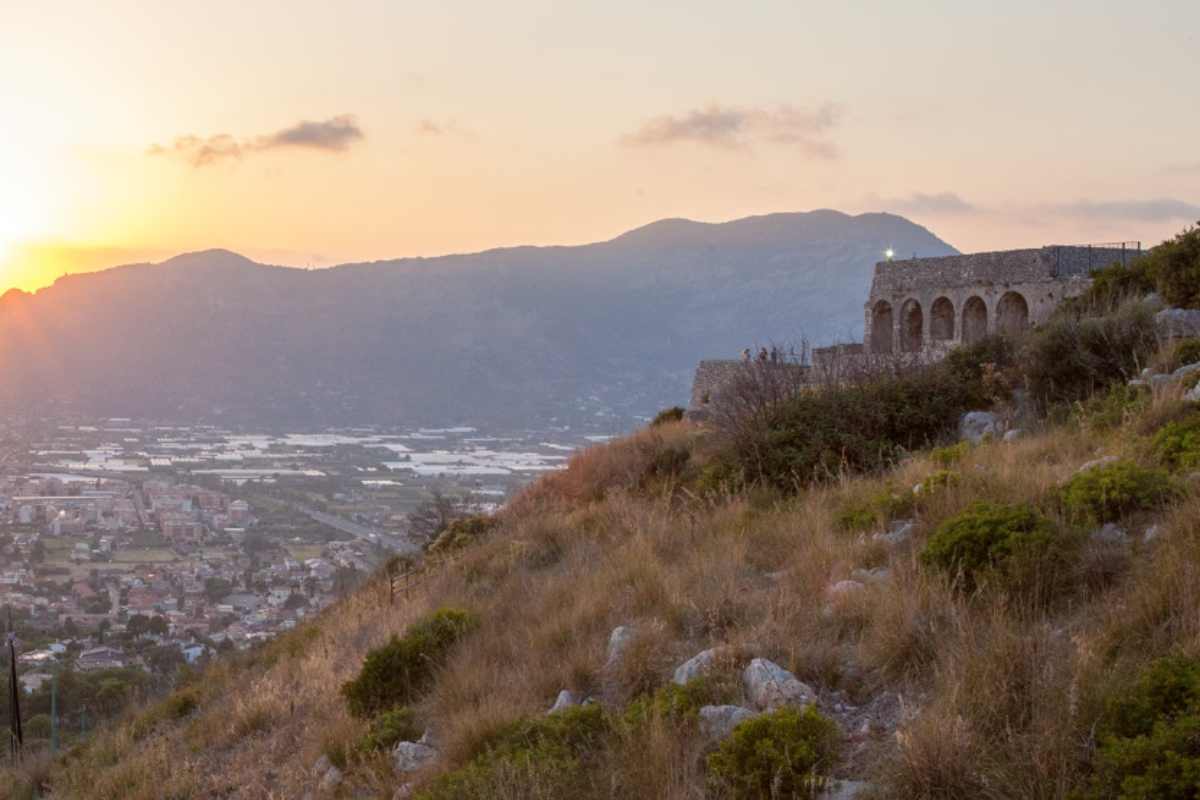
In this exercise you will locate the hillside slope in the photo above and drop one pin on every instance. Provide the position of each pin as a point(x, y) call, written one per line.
point(517, 336)
point(935, 691)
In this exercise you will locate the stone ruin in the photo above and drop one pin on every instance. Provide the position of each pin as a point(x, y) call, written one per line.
point(920, 308)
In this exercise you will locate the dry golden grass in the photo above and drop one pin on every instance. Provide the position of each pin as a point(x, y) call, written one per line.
point(998, 695)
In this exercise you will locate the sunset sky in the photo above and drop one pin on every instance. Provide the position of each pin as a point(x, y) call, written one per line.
point(312, 133)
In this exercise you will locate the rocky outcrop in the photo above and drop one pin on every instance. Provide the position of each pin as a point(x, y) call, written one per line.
point(717, 722)
point(975, 426)
point(411, 756)
point(695, 667)
point(769, 686)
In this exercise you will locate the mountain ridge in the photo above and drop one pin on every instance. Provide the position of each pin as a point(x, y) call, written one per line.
point(598, 334)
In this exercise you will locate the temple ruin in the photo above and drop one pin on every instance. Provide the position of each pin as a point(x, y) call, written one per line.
point(920, 308)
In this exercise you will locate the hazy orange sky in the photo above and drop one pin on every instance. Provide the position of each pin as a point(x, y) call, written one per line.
point(312, 133)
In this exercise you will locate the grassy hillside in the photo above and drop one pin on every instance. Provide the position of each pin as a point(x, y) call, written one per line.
point(1012, 619)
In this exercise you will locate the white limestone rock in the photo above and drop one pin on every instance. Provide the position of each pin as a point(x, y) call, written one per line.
point(876, 575)
point(1185, 370)
point(1178, 322)
point(845, 790)
point(1013, 435)
point(975, 425)
point(898, 532)
point(770, 686)
point(1111, 533)
point(330, 781)
point(1096, 462)
point(842, 591)
point(411, 756)
point(717, 722)
point(695, 667)
point(566, 699)
point(618, 642)
point(1192, 395)
point(1150, 534)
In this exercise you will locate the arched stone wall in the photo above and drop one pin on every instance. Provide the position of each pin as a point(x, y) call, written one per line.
point(881, 327)
point(974, 319)
point(1012, 314)
point(912, 327)
point(941, 320)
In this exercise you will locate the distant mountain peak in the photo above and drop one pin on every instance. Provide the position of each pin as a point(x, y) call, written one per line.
point(209, 259)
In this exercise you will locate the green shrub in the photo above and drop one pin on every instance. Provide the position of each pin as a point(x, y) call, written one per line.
point(1177, 444)
point(874, 511)
point(1113, 285)
point(779, 755)
point(389, 727)
point(547, 756)
point(1072, 357)
point(463, 532)
point(1175, 265)
point(672, 414)
point(680, 704)
point(1149, 739)
point(862, 427)
point(401, 670)
point(1108, 492)
point(1110, 409)
point(942, 479)
point(948, 456)
point(1011, 542)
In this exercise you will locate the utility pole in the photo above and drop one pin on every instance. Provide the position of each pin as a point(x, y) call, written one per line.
point(16, 740)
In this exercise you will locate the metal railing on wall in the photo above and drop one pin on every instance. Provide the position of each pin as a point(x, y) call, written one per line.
point(1083, 259)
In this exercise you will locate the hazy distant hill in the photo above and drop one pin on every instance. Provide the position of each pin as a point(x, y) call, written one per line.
point(511, 336)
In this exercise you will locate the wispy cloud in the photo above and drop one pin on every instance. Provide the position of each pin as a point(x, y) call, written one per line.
point(940, 203)
point(449, 127)
point(1161, 209)
point(333, 135)
point(740, 128)
point(1182, 168)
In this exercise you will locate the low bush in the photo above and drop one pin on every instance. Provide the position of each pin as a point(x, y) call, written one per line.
point(680, 704)
point(867, 426)
point(874, 511)
point(1108, 492)
point(1012, 543)
point(401, 670)
point(1177, 444)
point(389, 727)
point(948, 456)
point(1072, 357)
point(541, 757)
point(672, 414)
point(463, 532)
point(1114, 285)
point(1149, 740)
point(785, 754)
point(942, 479)
point(1111, 409)
point(1175, 265)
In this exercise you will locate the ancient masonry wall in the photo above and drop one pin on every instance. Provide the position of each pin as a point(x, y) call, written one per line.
point(920, 309)
point(933, 304)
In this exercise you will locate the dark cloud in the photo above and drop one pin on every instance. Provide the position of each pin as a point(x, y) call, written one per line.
point(1162, 209)
point(332, 135)
point(739, 128)
point(336, 134)
point(944, 203)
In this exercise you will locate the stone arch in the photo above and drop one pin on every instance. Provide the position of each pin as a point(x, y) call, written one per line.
point(941, 320)
point(974, 319)
point(912, 327)
point(881, 327)
point(1012, 314)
